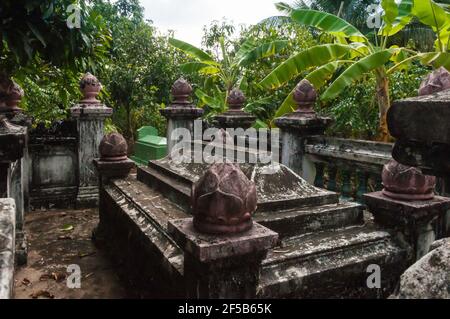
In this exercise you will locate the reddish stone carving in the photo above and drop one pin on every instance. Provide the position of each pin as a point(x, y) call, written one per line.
point(407, 183)
point(113, 147)
point(90, 87)
point(305, 96)
point(223, 200)
point(235, 117)
point(438, 80)
point(14, 96)
point(181, 91)
point(10, 95)
point(235, 100)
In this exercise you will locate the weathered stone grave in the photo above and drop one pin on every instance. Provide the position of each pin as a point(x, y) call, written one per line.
point(324, 245)
point(149, 146)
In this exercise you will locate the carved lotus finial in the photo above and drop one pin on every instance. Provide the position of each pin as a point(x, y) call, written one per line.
point(181, 91)
point(10, 95)
point(407, 183)
point(236, 100)
point(13, 96)
point(305, 96)
point(90, 87)
point(223, 200)
point(113, 147)
point(305, 92)
point(438, 80)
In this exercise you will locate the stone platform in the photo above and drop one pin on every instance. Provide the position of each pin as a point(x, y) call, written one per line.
point(278, 187)
point(323, 250)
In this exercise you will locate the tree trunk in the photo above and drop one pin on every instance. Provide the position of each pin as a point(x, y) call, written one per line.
point(130, 132)
point(384, 103)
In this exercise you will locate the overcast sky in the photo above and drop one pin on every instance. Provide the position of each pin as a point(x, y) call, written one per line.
point(187, 17)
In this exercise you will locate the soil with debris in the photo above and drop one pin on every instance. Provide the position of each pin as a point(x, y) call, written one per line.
point(57, 239)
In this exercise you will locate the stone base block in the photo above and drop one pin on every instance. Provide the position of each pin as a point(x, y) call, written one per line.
point(416, 220)
point(222, 266)
point(87, 197)
point(21, 254)
point(207, 248)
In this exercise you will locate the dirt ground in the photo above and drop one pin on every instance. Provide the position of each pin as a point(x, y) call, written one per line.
point(57, 239)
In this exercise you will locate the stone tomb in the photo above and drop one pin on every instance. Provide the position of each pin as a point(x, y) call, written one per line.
point(323, 249)
point(304, 243)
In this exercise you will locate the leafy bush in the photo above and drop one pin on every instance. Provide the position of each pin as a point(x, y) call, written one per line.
point(356, 113)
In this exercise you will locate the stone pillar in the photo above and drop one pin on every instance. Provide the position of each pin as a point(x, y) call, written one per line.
point(223, 248)
point(90, 115)
point(235, 117)
point(12, 145)
point(181, 113)
point(234, 122)
point(407, 204)
point(10, 95)
point(113, 163)
point(297, 126)
point(421, 126)
point(7, 247)
point(221, 267)
point(15, 171)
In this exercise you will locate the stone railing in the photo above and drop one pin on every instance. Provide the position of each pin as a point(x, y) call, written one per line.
point(351, 167)
point(7, 246)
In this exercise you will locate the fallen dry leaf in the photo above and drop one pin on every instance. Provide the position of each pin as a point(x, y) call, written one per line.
point(26, 282)
point(65, 237)
point(44, 277)
point(67, 227)
point(58, 276)
point(82, 255)
point(42, 293)
point(88, 275)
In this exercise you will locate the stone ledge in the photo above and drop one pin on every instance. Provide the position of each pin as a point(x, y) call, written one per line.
point(91, 111)
point(181, 112)
point(422, 119)
point(7, 246)
point(207, 248)
point(296, 122)
point(403, 211)
point(114, 169)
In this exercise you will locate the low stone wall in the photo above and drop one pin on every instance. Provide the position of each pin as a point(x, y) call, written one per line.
point(54, 165)
point(7, 246)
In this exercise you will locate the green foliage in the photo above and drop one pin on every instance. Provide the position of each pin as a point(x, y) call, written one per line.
point(46, 57)
point(356, 111)
point(132, 60)
point(328, 42)
point(349, 10)
point(142, 70)
point(50, 92)
point(359, 55)
point(38, 28)
point(228, 61)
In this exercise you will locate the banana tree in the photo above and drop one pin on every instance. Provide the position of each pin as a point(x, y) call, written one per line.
point(227, 72)
point(353, 53)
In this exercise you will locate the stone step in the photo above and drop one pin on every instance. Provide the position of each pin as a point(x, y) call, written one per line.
point(134, 218)
point(245, 153)
point(164, 170)
point(302, 221)
point(278, 187)
point(174, 189)
point(332, 264)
